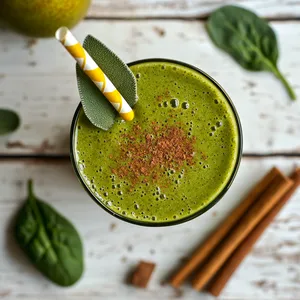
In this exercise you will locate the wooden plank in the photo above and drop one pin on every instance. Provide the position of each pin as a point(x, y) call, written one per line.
point(37, 79)
point(188, 8)
point(113, 247)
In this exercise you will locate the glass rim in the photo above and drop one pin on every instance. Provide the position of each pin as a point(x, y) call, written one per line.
point(200, 211)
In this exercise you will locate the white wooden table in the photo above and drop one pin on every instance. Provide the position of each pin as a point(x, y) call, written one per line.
point(37, 80)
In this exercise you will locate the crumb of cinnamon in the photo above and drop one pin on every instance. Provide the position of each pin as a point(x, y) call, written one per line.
point(178, 293)
point(204, 156)
point(112, 226)
point(159, 98)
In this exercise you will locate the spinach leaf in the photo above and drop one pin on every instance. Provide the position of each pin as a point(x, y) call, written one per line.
point(248, 39)
point(50, 241)
point(9, 121)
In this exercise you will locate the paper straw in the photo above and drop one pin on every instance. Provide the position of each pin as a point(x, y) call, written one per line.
point(92, 70)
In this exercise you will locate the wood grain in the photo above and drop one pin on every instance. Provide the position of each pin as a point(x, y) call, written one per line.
point(37, 79)
point(113, 247)
point(188, 8)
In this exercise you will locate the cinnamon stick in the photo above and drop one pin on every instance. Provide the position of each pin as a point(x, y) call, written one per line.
point(211, 242)
point(222, 277)
point(253, 216)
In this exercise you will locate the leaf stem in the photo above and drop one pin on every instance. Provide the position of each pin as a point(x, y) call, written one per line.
point(30, 188)
point(285, 83)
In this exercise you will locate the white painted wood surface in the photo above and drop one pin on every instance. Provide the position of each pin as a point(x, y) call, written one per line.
point(39, 81)
point(271, 271)
point(188, 8)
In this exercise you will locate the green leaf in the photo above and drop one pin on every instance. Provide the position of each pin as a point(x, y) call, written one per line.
point(9, 121)
point(50, 241)
point(96, 107)
point(248, 39)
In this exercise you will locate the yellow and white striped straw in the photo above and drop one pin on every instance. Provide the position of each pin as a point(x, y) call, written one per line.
point(92, 70)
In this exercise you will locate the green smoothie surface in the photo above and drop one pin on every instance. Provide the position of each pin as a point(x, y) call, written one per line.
point(173, 159)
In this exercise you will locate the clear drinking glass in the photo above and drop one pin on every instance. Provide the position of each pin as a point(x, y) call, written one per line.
point(171, 222)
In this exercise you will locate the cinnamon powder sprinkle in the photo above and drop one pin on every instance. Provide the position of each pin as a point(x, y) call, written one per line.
point(146, 155)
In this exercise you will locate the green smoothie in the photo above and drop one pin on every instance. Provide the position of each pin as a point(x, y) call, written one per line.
point(177, 156)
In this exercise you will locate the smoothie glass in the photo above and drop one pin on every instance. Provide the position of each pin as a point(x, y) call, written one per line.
point(211, 203)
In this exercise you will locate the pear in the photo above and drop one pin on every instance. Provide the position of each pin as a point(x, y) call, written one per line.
point(41, 18)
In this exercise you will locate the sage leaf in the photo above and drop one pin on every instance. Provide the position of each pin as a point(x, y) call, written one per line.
point(96, 107)
point(248, 39)
point(9, 121)
point(50, 241)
